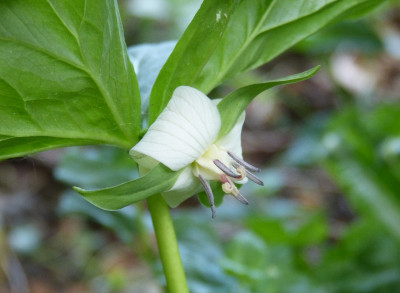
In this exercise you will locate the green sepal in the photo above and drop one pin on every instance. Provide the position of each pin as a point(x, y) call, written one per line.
point(233, 105)
point(158, 180)
point(218, 193)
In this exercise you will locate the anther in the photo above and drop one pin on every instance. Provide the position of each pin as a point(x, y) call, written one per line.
point(241, 198)
point(254, 178)
point(243, 163)
point(248, 174)
point(225, 169)
point(210, 195)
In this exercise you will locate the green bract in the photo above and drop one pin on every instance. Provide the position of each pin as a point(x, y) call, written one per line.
point(113, 198)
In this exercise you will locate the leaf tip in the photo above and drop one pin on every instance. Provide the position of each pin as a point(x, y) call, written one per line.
point(315, 69)
point(79, 190)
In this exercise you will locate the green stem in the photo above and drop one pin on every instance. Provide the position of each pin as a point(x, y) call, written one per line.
point(167, 245)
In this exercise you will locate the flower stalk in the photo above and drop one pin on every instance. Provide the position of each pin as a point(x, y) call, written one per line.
point(167, 245)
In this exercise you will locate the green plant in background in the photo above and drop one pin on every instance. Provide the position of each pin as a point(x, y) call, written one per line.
point(366, 151)
point(66, 78)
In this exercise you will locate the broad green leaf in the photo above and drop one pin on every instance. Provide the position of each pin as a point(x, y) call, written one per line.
point(95, 167)
point(233, 105)
point(229, 37)
point(65, 76)
point(159, 179)
point(148, 59)
point(191, 52)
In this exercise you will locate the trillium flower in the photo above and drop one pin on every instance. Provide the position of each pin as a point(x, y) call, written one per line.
point(185, 137)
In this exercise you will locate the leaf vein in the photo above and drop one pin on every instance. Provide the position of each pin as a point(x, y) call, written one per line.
point(63, 23)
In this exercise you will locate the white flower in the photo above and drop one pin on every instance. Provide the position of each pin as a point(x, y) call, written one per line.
point(185, 136)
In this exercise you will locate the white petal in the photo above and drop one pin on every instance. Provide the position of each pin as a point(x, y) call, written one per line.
point(232, 141)
point(186, 186)
point(183, 132)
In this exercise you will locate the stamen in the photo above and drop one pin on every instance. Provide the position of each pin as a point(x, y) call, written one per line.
point(247, 174)
point(229, 188)
point(225, 169)
point(241, 198)
point(254, 178)
point(243, 163)
point(210, 195)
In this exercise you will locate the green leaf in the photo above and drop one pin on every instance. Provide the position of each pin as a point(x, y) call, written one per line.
point(233, 105)
point(65, 77)
point(357, 160)
point(349, 36)
point(121, 222)
point(217, 192)
point(366, 192)
point(95, 167)
point(190, 54)
point(148, 59)
point(286, 222)
point(351, 265)
point(229, 37)
point(159, 179)
point(246, 257)
point(363, 8)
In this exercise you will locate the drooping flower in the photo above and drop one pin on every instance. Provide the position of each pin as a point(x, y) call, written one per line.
point(185, 137)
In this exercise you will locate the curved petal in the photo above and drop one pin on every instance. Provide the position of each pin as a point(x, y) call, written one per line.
point(232, 141)
point(183, 132)
point(186, 186)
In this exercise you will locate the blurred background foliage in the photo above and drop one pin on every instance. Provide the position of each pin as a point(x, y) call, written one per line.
point(326, 221)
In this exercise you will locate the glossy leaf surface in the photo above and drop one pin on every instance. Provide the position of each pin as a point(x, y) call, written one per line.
point(65, 77)
point(229, 37)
